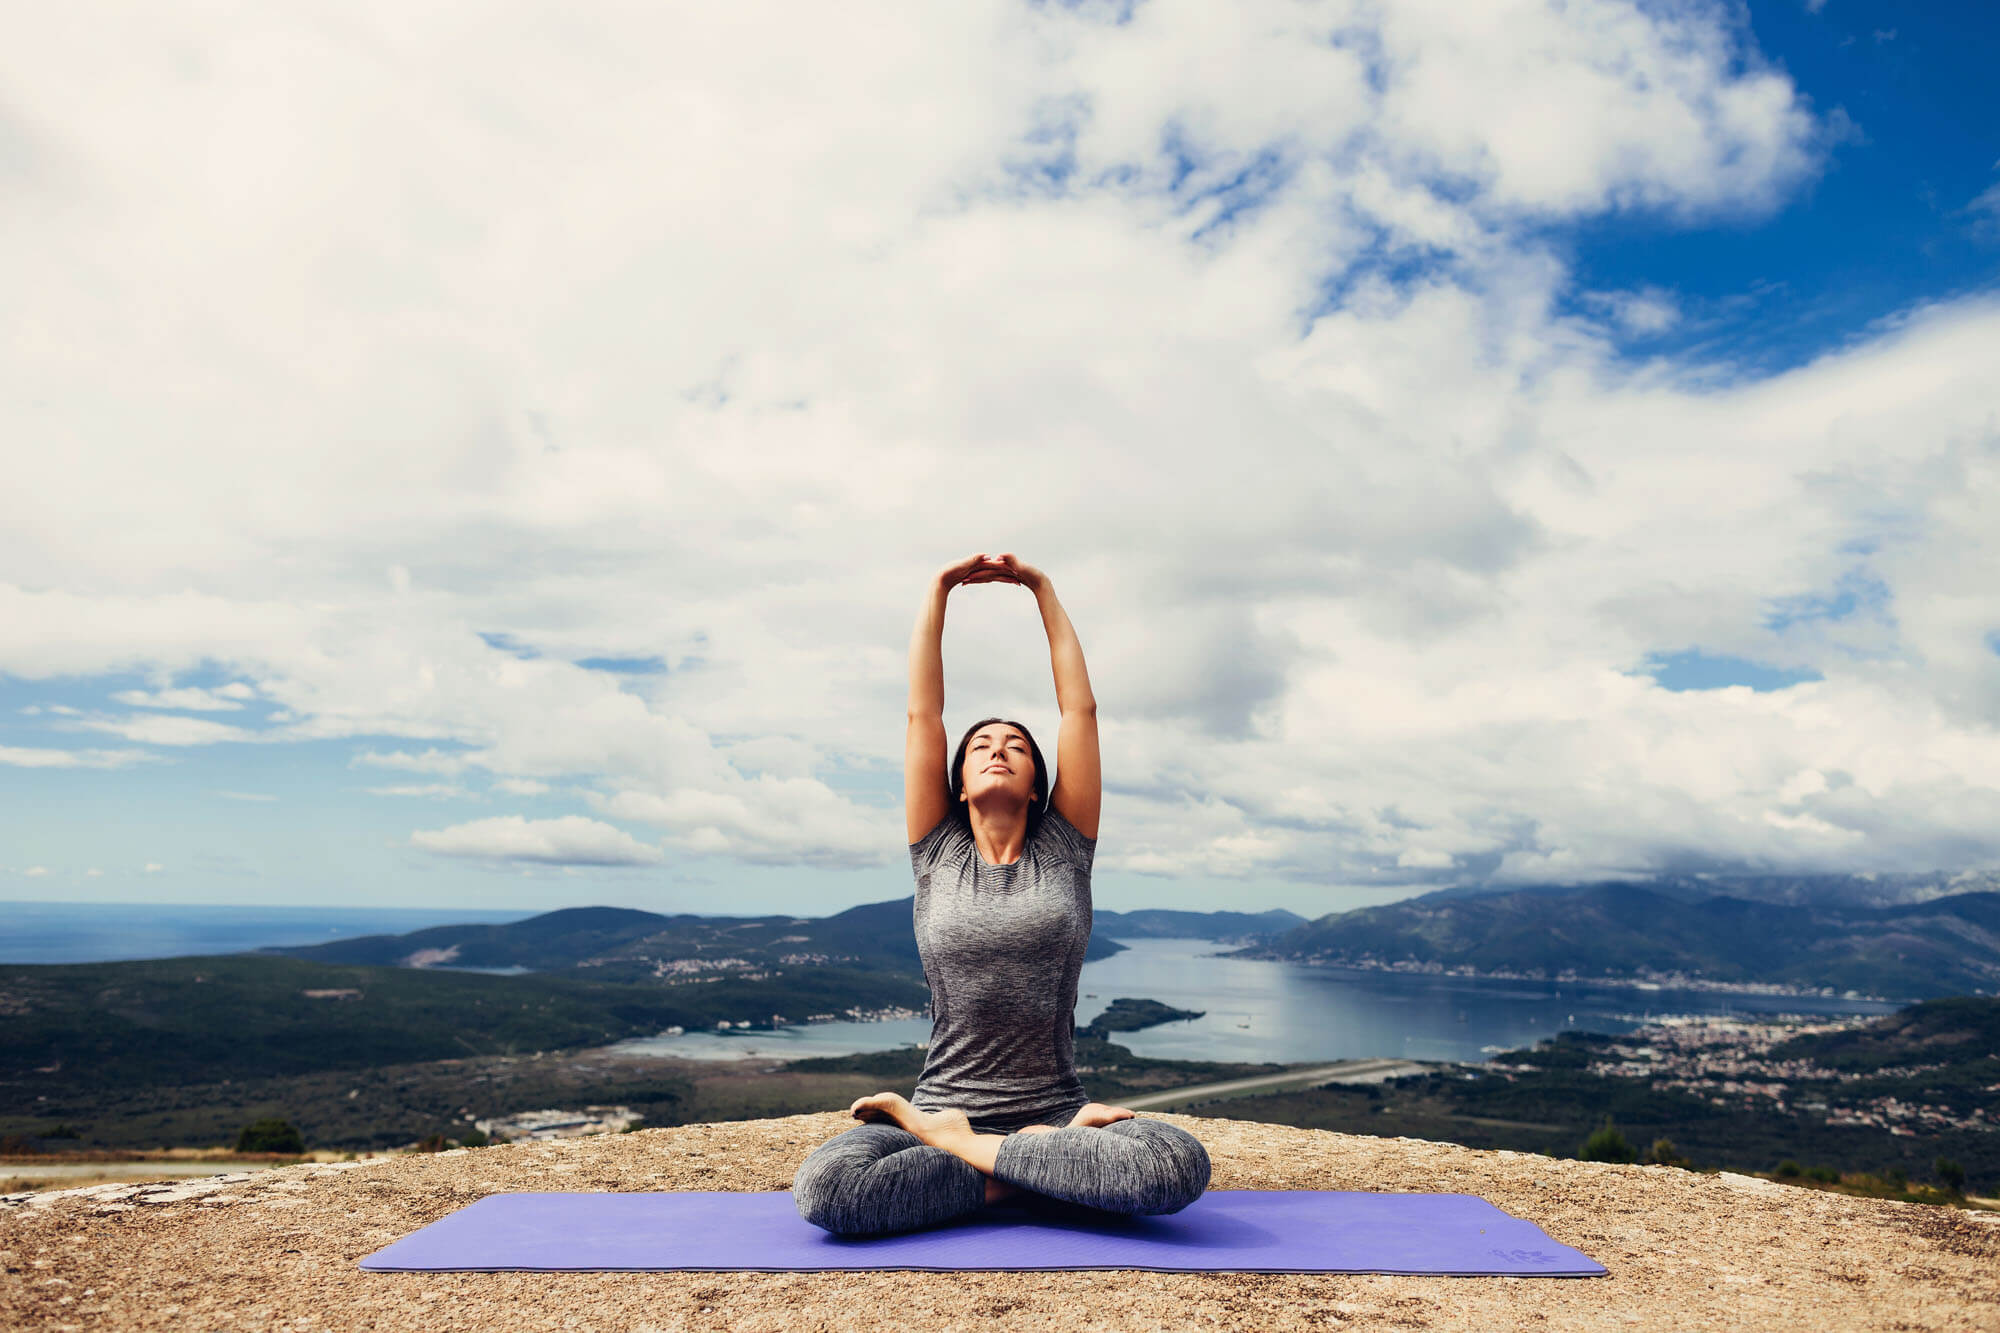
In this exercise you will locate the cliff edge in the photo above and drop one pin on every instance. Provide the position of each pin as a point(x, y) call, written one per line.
point(278, 1249)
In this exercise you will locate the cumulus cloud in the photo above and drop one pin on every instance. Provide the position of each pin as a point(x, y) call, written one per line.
point(570, 840)
point(1241, 322)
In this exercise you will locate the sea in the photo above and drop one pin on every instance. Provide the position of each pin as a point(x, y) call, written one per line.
point(1256, 1011)
point(1252, 1011)
point(120, 932)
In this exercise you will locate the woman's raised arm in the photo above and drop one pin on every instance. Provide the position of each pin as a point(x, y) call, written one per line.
point(926, 786)
point(1079, 789)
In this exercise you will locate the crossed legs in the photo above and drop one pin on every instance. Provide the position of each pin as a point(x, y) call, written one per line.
point(907, 1168)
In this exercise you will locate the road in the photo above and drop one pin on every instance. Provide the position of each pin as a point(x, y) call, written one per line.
point(1347, 1071)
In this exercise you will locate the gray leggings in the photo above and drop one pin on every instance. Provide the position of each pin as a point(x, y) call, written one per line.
point(880, 1178)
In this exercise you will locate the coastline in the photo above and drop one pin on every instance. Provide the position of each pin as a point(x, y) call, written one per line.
point(1659, 981)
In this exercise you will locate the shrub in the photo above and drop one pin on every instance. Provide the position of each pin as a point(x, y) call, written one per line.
point(1952, 1174)
point(472, 1138)
point(1826, 1175)
point(270, 1135)
point(1607, 1144)
point(432, 1143)
point(1664, 1153)
point(1789, 1170)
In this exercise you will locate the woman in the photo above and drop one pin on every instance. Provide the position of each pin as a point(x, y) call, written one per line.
point(1002, 918)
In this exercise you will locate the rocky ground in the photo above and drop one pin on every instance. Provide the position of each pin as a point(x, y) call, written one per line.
point(278, 1250)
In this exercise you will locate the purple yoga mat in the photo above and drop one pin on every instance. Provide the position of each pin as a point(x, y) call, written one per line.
point(1228, 1231)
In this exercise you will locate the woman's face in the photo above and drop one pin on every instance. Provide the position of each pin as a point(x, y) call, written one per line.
point(997, 760)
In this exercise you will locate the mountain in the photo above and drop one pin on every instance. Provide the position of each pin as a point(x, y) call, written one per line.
point(1940, 947)
point(1894, 890)
point(1162, 923)
point(1938, 1034)
point(620, 943)
point(540, 943)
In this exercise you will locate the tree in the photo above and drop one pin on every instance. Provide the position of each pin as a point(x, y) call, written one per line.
point(1952, 1174)
point(271, 1135)
point(1607, 1145)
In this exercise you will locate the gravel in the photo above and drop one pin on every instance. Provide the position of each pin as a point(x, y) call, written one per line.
point(278, 1249)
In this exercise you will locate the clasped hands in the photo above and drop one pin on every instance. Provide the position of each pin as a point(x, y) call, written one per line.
point(1002, 568)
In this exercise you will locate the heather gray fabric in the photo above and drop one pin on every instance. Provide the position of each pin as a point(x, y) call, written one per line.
point(878, 1179)
point(1002, 948)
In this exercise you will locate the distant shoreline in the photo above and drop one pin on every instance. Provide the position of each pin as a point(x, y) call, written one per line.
point(1663, 982)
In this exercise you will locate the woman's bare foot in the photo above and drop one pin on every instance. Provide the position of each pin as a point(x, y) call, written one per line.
point(1096, 1115)
point(930, 1126)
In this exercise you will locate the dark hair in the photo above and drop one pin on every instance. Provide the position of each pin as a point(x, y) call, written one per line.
point(962, 810)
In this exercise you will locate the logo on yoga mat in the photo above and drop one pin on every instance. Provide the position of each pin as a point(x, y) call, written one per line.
point(1524, 1256)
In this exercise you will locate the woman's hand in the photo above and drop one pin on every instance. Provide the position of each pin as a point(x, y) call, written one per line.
point(1024, 574)
point(975, 569)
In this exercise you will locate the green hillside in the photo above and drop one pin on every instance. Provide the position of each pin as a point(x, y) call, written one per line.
point(201, 1019)
point(1944, 946)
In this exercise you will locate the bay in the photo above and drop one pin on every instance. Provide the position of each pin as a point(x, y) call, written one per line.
point(1257, 1011)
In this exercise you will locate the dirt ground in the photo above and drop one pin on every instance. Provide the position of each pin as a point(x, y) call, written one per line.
point(278, 1250)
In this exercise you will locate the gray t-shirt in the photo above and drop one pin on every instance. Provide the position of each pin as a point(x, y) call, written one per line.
point(1002, 948)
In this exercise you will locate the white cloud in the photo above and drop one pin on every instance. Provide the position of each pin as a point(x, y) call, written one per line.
point(1648, 311)
point(228, 697)
point(1984, 211)
point(763, 821)
point(160, 730)
point(93, 873)
point(570, 840)
point(432, 789)
point(35, 871)
point(430, 761)
point(247, 795)
point(33, 757)
point(154, 868)
point(1359, 576)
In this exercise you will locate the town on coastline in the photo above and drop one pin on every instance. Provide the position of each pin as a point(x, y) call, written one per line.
point(1645, 979)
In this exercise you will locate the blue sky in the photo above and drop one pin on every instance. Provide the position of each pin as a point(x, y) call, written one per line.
point(1891, 222)
point(1538, 443)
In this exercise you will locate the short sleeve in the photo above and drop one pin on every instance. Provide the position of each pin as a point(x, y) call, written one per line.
point(1070, 843)
point(924, 851)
